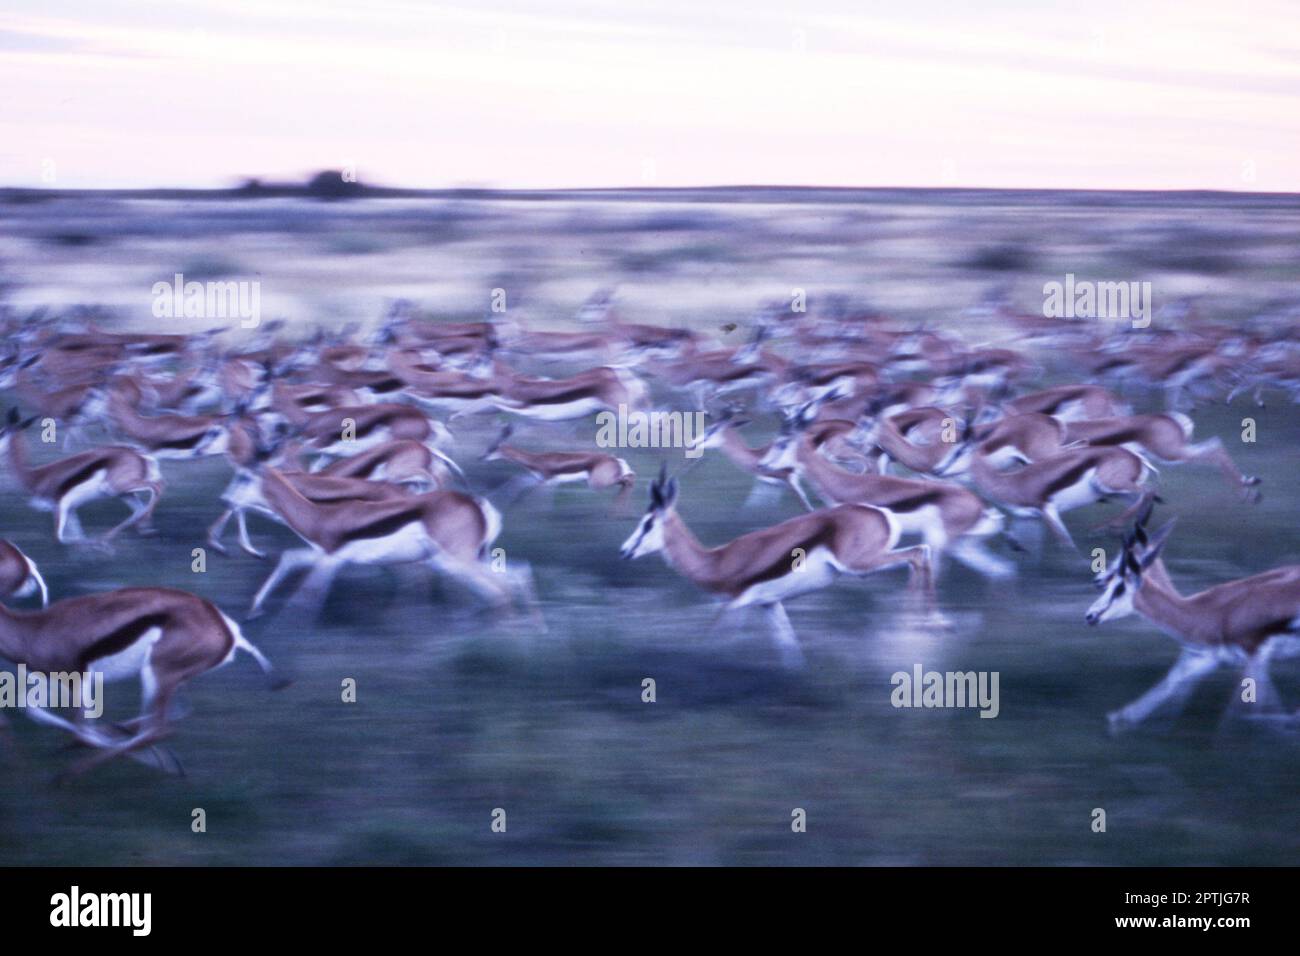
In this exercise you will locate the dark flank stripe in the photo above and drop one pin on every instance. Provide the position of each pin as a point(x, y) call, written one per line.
point(1071, 476)
point(81, 476)
point(187, 442)
point(383, 527)
point(1120, 437)
point(383, 421)
point(387, 385)
point(913, 503)
point(121, 639)
point(571, 395)
point(784, 563)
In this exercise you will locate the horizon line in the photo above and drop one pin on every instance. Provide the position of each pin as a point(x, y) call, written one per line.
point(378, 190)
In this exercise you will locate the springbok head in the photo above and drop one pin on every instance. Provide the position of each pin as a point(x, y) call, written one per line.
point(783, 452)
point(716, 432)
point(13, 424)
point(649, 534)
point(1119, 584)
point(493, 452)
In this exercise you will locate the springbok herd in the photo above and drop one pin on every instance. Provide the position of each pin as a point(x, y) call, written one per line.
point(919, 445)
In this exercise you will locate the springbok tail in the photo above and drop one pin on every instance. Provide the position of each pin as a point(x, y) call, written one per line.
point(1184, 422)
point(244, 644)
point(40, 581)
point(991, 522)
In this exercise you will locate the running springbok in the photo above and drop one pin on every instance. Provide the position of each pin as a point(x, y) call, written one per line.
point(350, 429)
point(1246, 623)
point(948, 517)
point(1051, 486)
point(402, 461)
point(167, 436)
point(63, 486)
point(1167, 437)
point(242, 495)
point(19, 576)
point(447, 530)
point(598, 470)
point(1070, 403)
point(724, 434)
point(767, 567)
point(165, 636)
point(914, 438)
point(598, 389)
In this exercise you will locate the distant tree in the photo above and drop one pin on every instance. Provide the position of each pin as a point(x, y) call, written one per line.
point(330, 184)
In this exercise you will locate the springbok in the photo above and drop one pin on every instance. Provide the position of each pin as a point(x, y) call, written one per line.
point(402, 461)
point(1051, 486)
point(447, 530)
point(914, 438)
point(168, 436)
point(65, 485)
point(948, 517)
point(350, 429)
point(1246, 623)
point(165, 636)
point(242, 495)
point(768, 567)
point(1070, 402)
point(19, 576)
point(1167, 437)
point(597, 389)
point(724, 434)
point(598, 470)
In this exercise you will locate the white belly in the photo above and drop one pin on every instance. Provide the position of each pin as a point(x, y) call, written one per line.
point(95, 487)
point(1081, 493)
point(926, 521)
point(129, 661)
point(818, 570)
point(411, 543)
point(561, 411)
point(345, 448)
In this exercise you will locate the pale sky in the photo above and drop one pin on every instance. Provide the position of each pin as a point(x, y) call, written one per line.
point(1125, 94)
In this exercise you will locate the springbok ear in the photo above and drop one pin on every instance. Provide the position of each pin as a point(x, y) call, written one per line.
point(670, 493)
point(1145, 514)
point(657, 487)
point(1157, 543)
point(806, 414)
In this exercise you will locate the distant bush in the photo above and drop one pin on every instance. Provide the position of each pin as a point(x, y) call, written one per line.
point(73, 239)
point(330, 184)
point(1001, 259)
